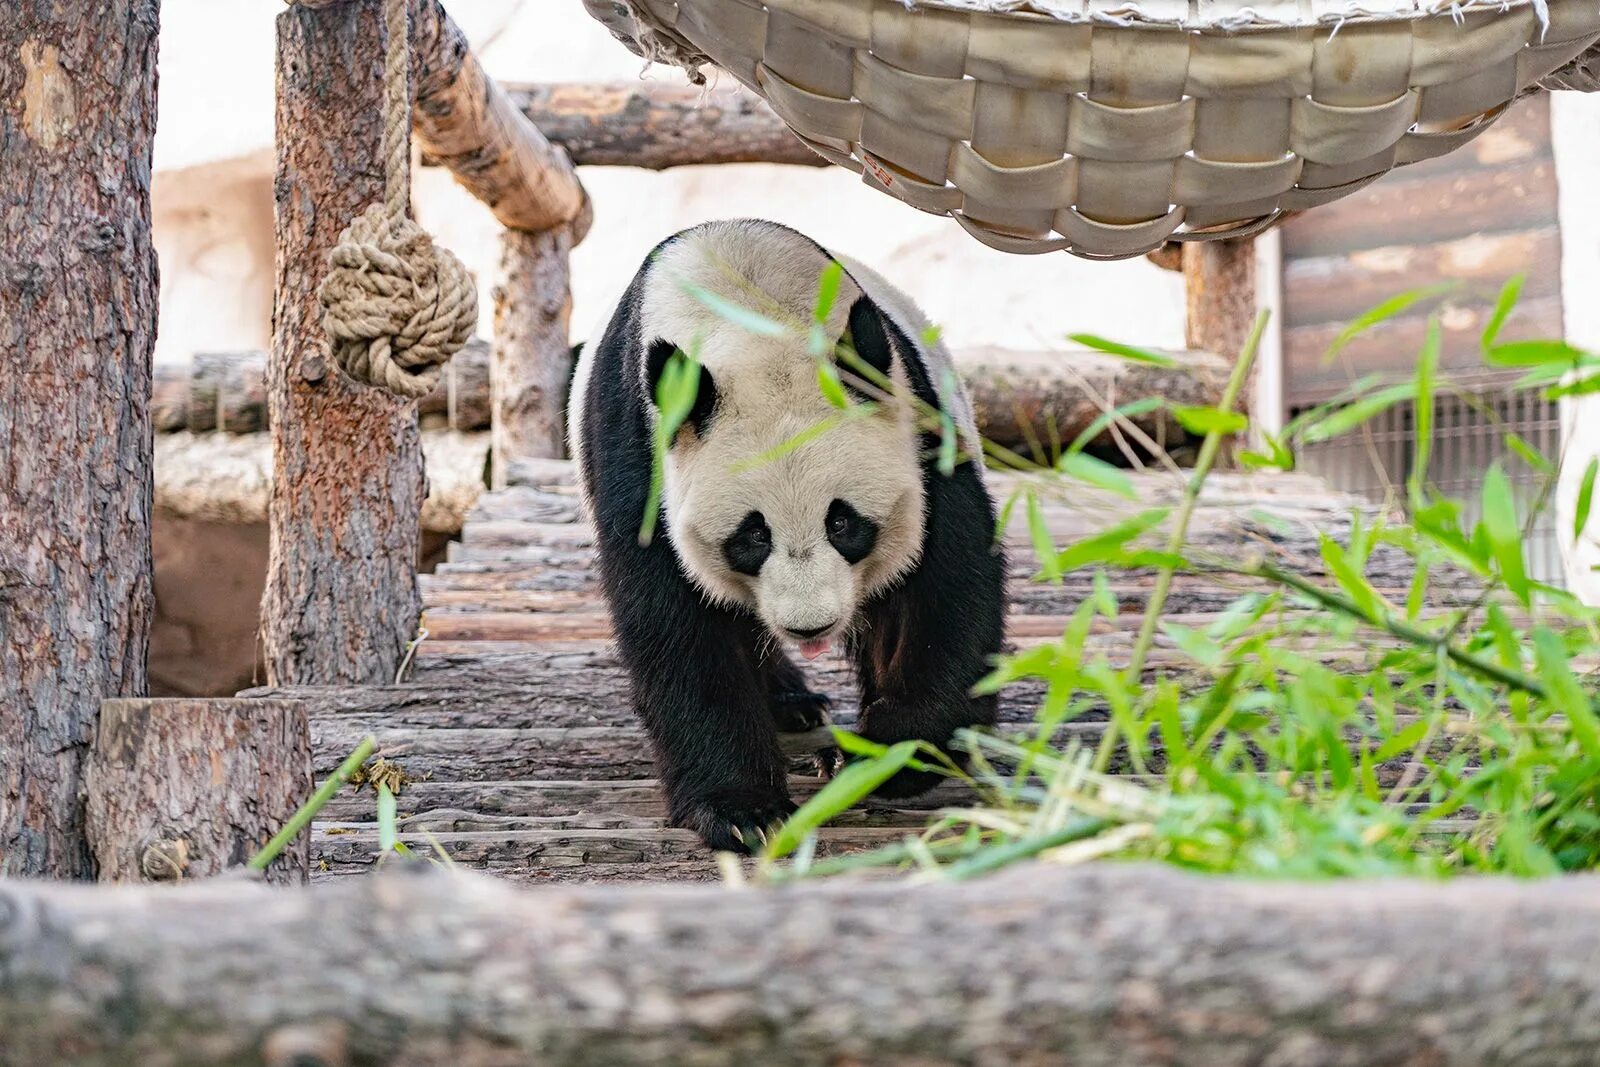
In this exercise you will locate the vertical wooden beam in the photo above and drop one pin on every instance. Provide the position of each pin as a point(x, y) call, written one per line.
point(1220, 294)
point(341, 600)
point(189, 788)
point(532, 356)
point(77, 328)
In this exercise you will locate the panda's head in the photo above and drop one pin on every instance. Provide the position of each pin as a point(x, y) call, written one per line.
point(800, 533)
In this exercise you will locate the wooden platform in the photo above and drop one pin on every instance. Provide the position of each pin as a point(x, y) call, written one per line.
point(515, 721)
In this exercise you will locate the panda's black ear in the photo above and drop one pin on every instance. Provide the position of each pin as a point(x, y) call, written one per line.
point(705, 396)
point(869, 335)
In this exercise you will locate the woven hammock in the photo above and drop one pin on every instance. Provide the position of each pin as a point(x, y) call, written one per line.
point(1108, 127)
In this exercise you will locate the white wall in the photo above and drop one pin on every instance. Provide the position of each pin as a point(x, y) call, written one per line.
point(216, 106)
point(1575, 137)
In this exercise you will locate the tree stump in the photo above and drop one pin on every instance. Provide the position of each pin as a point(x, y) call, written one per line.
point(531, 363)
point(188, 788)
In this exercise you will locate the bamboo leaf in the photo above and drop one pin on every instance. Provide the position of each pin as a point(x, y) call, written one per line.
point(1585, 498)
point(1097, 472)
point(743, 317)
point(1502, 310)
point(388, 836)
point(847, 788)
point(1202, 421)
point(1395, 305)
point(1129, 352)
point(1342, 420)
point(1043, 545)
point(1504, 530)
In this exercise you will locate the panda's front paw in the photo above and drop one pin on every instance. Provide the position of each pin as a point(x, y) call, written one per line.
point(795, 711)
point(737, 822)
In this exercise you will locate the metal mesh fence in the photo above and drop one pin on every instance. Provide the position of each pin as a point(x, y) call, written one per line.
point(1469, 435)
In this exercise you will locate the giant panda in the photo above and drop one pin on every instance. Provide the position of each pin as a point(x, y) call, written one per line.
point(853, 539)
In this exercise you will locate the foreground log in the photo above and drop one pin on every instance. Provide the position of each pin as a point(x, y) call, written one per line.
point(78, 306)
point(341, 598)
point(1042, 965)
point(189, 788)
point(655, 125)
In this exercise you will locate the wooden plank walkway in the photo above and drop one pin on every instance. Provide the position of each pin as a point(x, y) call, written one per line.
point(514, 720)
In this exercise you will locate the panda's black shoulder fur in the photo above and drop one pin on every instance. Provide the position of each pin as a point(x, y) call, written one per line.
point(703, 676)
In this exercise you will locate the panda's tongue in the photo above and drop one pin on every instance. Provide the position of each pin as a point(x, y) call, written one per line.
point(813, 649)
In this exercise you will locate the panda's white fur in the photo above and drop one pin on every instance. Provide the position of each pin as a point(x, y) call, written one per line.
point(767, 394)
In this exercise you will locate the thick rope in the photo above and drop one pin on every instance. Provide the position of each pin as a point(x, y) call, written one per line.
point(396, 306)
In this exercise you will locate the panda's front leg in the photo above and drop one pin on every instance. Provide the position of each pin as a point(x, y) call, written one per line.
point(795, 707)
point(699, 692)
point(927, 642)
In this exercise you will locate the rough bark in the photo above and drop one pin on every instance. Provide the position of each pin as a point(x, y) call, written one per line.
point(189, 788)
point(77, 325)
point(464, 120)
point(1041, 965)
point(1220, 291)
point(532, 362)
point(341, 600)
point(656, 125)
point(227, 391)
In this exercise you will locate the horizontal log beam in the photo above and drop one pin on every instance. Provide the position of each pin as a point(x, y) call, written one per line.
point(464, 120)
point(1012, 392)
point(657, 126)
point(1045, 964)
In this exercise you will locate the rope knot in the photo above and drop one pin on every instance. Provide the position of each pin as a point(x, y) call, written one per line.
point(395, 305)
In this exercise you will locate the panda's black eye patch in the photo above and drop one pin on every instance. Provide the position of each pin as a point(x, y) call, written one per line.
point(851, 533)
point(748, 547)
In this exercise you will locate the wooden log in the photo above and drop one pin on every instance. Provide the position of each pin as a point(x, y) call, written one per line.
point(532, 364)
point(1041, 964)
point(192, 787)
point(189, 397)
point(1219, 282)
point(656, 125)
point(465, 121)
point(78, 305)
point(347, 482)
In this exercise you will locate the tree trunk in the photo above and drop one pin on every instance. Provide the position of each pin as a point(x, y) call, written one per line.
point(188, 788)
point(531, 366)
point(1105, 965)
point(656, 126)
point(341, 598)
point(77, 325)
point(1220, 289)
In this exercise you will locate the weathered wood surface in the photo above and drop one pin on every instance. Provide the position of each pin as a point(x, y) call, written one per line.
point(227, 392)
point(528, 760)
point(347, 488)
point(188, 788)
point(78, 305)
point(464, 120)
point(532, 364)
point(228, 477)
point(656, 125)
point(1039, 965)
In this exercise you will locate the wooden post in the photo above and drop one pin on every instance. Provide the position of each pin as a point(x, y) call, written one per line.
point(531, 362)
point(77, 327)
point(188, 788)
point(341, 600)
point(1220, 289)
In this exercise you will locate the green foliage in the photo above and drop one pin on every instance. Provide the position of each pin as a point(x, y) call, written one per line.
point(1326, 724)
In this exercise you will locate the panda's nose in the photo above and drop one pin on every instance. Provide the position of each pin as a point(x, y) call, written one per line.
point(806, 635)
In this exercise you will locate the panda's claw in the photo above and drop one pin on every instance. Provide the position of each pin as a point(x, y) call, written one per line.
point(735, 825)
point(796, 711)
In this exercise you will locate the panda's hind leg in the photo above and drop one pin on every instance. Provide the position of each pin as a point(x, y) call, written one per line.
point(795, 707)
